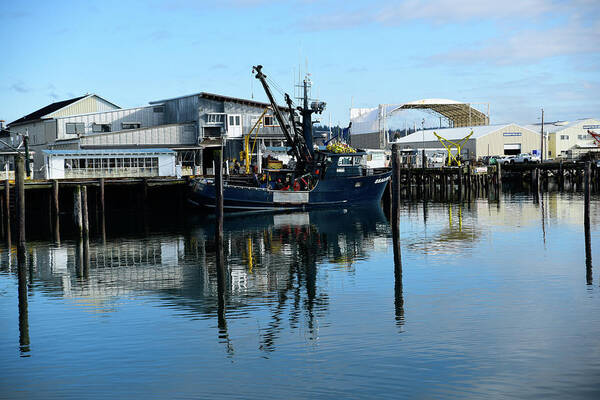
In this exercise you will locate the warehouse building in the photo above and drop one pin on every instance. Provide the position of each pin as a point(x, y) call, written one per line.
point(222, 121)
point(486, 140)
point(193, 126)
point(569, 139)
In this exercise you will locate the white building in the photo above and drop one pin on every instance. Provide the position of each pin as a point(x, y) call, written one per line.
point(569, 136)
point(109, 163)
point(486, 140)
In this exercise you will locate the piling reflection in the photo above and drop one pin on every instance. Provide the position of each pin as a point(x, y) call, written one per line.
point(398, 293)
point(588, 245)
point(23, 307)
point(273, 262)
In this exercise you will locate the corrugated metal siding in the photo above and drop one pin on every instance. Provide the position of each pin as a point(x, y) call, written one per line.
point(195, 109)
point(181, 110)
point(49, 131)
point(168, 135)
point(146, 116)
point(365, 141)
point(87, 105)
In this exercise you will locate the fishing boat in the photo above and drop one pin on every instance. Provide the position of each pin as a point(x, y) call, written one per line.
point(320, 178)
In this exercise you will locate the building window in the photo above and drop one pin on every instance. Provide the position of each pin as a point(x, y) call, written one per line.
point(215, 118)
point(550, 153)
point(75, 128)
point(131, 125)
point(269, 120)
point(99, 128)
point(110, 166)
point(564, 137)
point(158, 109)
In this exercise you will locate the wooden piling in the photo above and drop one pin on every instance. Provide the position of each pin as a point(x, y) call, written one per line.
point(20, 197)
point(101, 185)
point(55, 202)
point(84, 211)
point(561, 177)
point(409, 181)
point(499, 177)
point(77, 212)
point(219, 203)
point(395, 185)
point(395, 222)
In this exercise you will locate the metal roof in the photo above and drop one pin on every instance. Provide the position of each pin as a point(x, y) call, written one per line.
point(556, 126)
point(38, 114)
point(456, 133)
point(218, 97)
point(52, 108)
point(462, 114)
point(114, 152)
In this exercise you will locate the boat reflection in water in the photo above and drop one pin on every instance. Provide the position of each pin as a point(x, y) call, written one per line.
point(273, 259)
point(272, 265)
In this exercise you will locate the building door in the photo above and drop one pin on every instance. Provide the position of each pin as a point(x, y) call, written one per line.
point(234, 126)
point(511, 149)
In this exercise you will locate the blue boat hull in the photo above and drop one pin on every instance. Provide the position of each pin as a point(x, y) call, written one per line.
point(327, 193)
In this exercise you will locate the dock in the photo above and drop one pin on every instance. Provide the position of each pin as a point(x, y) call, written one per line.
point(466, 181)
point(87, 200)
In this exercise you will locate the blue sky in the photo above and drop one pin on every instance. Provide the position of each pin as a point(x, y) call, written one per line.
point(518, 56)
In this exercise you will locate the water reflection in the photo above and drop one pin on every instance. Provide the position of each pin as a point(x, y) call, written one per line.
point(23, 306)
point(270, 258)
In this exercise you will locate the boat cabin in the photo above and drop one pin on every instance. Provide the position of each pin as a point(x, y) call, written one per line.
point(335, 165)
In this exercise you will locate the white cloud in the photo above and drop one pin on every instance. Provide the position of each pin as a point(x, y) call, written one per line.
point(452, 11)
point(530, 45)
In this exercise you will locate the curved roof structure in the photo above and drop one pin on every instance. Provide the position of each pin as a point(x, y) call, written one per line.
point(368, 120)
point(461, 114)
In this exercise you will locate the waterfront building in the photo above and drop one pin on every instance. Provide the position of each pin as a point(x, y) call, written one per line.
point(193, 126)
point(569, 139)
point(486, 140)
point(223, 121)
point(110, 163)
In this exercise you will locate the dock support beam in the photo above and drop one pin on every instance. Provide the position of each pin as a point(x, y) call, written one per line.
point(77, 212)
point(101, 184)
point(84, 211)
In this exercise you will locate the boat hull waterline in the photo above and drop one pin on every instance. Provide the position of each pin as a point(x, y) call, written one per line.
point(327, 193)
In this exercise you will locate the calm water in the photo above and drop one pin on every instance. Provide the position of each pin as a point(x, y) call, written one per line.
point(494, 301)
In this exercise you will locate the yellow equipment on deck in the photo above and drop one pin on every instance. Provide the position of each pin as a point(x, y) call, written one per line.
point(247, 151)
point(457, 144)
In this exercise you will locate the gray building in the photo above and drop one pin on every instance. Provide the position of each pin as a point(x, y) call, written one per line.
point(222, 121)
point(193, 126)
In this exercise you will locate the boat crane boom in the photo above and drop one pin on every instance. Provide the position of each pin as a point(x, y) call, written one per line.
point(296, 142)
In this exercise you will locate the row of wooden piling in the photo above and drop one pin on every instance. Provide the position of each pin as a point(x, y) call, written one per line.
point(591, 181)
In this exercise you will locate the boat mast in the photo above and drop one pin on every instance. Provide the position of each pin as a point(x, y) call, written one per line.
point(307, 130)
point(299, 148)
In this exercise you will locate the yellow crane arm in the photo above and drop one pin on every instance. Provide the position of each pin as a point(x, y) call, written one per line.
point(247, 150)
point(457, 144)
